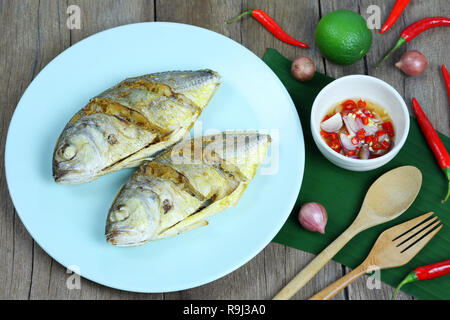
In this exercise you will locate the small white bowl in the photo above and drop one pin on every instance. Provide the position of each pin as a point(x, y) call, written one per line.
point(367, 88)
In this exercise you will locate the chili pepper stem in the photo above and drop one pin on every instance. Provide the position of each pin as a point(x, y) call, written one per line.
point(399, 43)
point(447, 173)
point(411, 277)
point(249, 12)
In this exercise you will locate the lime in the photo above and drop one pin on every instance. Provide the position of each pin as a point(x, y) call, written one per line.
point(343, 37)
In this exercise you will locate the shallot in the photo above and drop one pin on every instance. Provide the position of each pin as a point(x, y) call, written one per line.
point(313, 217)
point(303, 69)
point(347, 142)
point(370, 129)
point(412, 63)
point(364, 153)
point(333, 124)
point(352, 125)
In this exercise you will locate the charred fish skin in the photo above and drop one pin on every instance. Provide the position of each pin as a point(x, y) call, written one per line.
point(130, 123)
point(179, 190)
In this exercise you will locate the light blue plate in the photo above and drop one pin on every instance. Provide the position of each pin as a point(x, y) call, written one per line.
point(68, 221)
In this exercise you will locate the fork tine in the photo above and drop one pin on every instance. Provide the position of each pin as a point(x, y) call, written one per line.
point(418, 242)
point(416, 230)
point(410, 225)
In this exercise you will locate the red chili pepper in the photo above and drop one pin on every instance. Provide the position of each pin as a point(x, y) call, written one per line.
point(430, 271)
point(389, 129)
point(415, 29)
point(270, 25)
point(387, 125)
point(434, 142)
point(336, 146)
point(361, 135)
point(361, 104)
point(369, 139)
point(333, 136)
point(376, 145)
point(447, 80)
point(349, 104)
point(397, 10)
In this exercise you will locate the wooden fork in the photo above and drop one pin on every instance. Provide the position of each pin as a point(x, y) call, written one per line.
point(395, 247)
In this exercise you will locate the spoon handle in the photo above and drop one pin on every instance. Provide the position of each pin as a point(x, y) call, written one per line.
point(316, 264)
point(336, 287)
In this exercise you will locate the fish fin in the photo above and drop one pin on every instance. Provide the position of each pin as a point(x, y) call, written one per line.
point(171, 232)
point(148, 153)
point(201, 216)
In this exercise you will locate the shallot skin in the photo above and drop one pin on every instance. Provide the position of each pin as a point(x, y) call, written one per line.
point(412, 63)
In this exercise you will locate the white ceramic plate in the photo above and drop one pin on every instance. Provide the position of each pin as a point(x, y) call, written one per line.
point(68, 221)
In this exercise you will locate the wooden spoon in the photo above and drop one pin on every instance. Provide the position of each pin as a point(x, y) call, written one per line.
point(388, 197)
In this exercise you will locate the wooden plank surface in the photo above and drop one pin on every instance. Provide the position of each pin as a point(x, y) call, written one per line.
point(34, 32)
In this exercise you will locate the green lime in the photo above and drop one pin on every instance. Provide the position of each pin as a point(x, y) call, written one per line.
point(343, 37)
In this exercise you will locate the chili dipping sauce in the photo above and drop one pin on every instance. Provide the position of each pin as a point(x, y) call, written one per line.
point(358, 129)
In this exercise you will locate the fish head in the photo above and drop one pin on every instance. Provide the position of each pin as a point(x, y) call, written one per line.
point(133, 218)
point(79, 153)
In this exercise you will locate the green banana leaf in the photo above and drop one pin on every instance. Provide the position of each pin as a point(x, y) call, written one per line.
point(342, 193)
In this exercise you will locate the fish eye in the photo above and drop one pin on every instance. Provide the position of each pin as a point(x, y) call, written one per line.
point(121, 213)
point(112, 139)
point(167, 205)
point(68, 152)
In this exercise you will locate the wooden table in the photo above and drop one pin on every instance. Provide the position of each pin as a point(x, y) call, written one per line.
point(34, 32)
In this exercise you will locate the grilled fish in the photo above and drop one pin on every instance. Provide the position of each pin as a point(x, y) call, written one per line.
point(130, 123)
point(179, 190)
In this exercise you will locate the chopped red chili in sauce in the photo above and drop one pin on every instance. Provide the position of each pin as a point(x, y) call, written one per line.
point(365, 130)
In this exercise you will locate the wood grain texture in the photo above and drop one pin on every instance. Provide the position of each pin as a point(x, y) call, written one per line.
point(34, 32)
point(17, 59)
